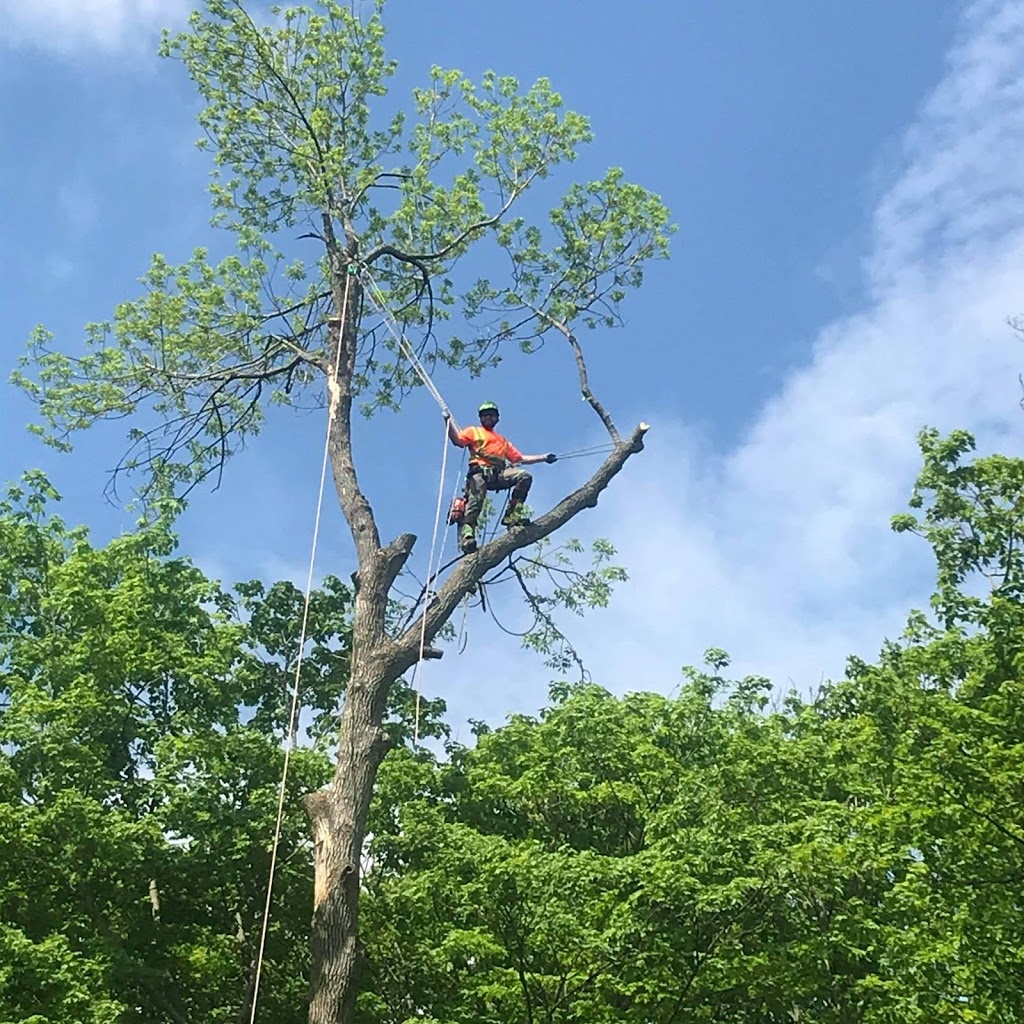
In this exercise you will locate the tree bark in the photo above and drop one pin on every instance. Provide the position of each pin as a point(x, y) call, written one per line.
point(338, 814)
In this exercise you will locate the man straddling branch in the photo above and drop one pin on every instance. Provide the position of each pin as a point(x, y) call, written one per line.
point(490, 456)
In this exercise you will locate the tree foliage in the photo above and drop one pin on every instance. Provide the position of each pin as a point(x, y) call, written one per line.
point(390, 201)
point(709, 856)
point(142, 709)
point(304, 146)
point(717, 854)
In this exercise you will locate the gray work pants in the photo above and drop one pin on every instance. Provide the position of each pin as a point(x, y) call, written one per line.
point(480, 480)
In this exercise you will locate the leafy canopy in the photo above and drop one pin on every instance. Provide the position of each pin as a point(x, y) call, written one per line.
point(315, 170)
point(142, 712)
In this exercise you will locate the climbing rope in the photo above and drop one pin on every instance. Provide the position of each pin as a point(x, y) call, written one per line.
point(430, 580)
point(597, 449)
point(491, 529)
point(290, 740)
point(380, 304)
point(463, 637)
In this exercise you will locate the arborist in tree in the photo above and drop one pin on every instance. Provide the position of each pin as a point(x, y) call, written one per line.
point(489, 470)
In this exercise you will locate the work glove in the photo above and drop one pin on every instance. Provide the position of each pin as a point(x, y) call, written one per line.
point(551, 457)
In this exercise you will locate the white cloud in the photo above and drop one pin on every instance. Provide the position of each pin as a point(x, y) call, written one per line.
point(780, 550)
point(65, 26)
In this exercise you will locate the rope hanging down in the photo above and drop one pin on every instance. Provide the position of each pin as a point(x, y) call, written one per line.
point(435, 570)
point(430, 579)
point(290, 739)
point(380, 304)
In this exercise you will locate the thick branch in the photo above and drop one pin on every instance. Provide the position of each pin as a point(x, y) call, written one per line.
point(472, 568)
point(581, 368)
point(390, 250)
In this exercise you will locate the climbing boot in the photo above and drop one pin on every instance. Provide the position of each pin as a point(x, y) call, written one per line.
point(514, 515)
point(467, 539)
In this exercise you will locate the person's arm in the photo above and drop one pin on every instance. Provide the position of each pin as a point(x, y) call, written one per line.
point(515, 456)
point(454, 435)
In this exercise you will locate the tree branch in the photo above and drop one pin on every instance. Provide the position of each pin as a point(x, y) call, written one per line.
point(581, 369)
point(375, 183)
point(472, 568)
point(464, 236)
point(424, 286)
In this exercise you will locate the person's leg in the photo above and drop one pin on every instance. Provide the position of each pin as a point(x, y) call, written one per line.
point(519, 480)
point(476, 488)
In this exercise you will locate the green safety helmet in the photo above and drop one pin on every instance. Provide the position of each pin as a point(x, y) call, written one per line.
point(487, 407)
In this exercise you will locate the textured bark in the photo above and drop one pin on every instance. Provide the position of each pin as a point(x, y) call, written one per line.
point(338, 814)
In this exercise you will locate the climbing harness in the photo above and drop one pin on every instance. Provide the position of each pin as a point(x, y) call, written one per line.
point(293, 713)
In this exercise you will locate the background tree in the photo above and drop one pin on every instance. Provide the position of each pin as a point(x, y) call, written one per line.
point(856, 857)
point(142, 709)
point(646, 858)
point(964, 758)
point(707, 855)
point(395, 205)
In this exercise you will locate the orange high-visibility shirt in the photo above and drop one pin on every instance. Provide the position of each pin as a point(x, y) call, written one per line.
point(488, 448)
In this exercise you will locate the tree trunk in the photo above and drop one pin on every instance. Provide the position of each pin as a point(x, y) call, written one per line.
point(339, 811)
point(339, 814)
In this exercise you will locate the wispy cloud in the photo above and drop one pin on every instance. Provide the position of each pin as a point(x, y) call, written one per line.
point(69, 26)
point(780, 550)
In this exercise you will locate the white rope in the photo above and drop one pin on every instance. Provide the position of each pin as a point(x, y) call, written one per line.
point(377, 298)
point(298, 668)
point(462, 625)
point(455, 493)
point(430, 579)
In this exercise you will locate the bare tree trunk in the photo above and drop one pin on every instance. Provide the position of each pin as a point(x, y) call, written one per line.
point(339, 815)
point(338, 812)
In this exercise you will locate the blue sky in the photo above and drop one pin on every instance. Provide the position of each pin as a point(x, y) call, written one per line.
point(851, 241)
